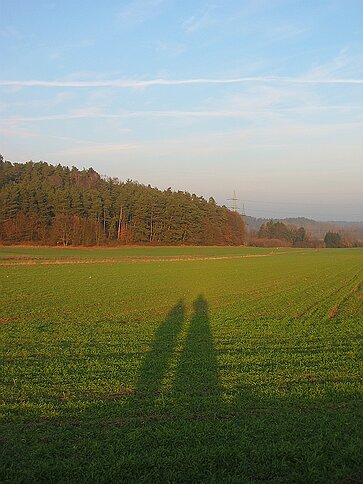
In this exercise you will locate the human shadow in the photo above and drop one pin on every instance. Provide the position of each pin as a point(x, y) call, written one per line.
point(197, 385)
point(178, 377)
point(158, 359)
point(177, 423)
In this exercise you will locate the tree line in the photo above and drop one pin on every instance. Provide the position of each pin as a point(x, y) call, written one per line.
point(275, 233)
point(57, 205)
point(280, 231)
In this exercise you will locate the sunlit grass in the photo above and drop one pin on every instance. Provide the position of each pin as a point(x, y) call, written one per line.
point(219, 369)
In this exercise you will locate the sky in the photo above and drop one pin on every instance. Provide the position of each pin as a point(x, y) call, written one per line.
point(260, 97)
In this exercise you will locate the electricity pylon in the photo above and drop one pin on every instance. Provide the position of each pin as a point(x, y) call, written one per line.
point(234, 201)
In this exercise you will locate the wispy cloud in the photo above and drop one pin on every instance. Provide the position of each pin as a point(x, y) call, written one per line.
point(135, 83)
point(284, 32)
point(138, 11)
point(15, 131)
point(89, 114)
point(342, 65)
point(198, 22)
point(136, 114)
point(10, 32)
point(168, 48)
point(99, 148)
point(250, 17)
point(70, 48)
point(280, 138)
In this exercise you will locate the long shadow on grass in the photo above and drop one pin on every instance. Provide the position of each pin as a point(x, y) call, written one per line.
point(197, 386)
point(181, 429)
point(157, 361)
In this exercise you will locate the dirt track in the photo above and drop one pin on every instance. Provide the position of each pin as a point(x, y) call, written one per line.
point(137, 259)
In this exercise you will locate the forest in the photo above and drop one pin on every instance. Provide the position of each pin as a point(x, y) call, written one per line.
point(56, 205)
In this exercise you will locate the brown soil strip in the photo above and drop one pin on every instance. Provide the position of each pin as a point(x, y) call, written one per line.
point(318, 303)
point(7, 320)
point(334, 310)
point(139, 259)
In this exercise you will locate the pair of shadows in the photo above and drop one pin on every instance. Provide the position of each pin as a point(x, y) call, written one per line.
point(197, 369)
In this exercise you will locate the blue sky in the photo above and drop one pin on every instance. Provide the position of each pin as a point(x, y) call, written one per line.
point(264, 97)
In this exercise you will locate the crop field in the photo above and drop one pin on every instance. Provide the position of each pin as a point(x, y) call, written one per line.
point(181, 365)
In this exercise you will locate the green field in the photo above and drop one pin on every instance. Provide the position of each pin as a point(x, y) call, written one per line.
point(181, 365)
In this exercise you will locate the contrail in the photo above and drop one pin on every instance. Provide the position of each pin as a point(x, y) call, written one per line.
point(134, 83)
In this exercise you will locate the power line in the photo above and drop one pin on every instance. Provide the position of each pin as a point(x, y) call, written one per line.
point(274, 211)
point(294, 214)
point(278, 212)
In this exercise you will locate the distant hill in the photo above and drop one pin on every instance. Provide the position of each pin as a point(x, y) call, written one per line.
point(45, 204)
point(315, 228)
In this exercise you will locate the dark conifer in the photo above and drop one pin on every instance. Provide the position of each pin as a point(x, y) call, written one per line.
point(47, 204)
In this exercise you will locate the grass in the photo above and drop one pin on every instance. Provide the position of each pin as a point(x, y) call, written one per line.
point(181, 365)
point(10, 255)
